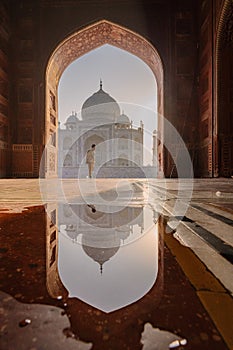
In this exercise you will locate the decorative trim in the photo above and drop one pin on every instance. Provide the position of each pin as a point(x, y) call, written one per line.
point(96, 35)
point(22, 148)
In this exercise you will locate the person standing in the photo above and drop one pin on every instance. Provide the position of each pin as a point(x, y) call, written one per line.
point(90, 159)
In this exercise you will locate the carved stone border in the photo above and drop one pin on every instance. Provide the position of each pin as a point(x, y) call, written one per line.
point(98, 34)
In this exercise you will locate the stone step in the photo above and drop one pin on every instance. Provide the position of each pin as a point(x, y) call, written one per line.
point(210, 237)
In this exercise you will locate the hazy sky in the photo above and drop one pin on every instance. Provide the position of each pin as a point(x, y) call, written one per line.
point(125, 77)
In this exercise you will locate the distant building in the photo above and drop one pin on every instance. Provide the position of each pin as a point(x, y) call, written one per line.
point(119, 146)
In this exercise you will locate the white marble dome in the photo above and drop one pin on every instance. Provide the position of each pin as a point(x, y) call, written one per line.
point(123, 119)
point(72, 119)
point(100, 107)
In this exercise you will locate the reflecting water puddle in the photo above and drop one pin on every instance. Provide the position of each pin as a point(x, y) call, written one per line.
point(157, 339)
point(42, 329)
point(108, 260)
point(91, 278)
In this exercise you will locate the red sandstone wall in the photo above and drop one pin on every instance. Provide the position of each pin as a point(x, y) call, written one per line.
point(173, 27)
point(182, 100)
point(4, 92)
point(215, 154)
point(205, 163)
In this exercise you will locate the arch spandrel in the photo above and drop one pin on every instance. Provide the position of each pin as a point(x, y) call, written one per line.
point(99, 34)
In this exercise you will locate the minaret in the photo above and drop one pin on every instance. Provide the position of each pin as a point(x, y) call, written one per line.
point(154, 149)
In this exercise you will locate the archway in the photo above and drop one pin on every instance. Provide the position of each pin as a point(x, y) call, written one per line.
point(76, 45)
point(223, 123)
point(68, 161)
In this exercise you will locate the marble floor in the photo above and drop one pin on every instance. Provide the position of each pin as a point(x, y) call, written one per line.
point(116, 264)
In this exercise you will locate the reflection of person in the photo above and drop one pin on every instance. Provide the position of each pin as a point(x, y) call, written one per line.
point(92, 207)
point(90, 159)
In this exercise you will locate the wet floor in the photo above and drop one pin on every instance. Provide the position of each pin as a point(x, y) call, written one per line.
point(89, 276)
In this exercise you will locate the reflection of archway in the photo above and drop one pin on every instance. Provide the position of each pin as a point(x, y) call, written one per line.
point(223, 123)
point(81, 42)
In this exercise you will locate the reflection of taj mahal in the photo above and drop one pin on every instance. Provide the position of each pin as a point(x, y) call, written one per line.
point(100, 234)
point(119, 145)
point(107, 256)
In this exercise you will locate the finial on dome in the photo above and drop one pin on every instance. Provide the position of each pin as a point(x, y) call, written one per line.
point(101, 84)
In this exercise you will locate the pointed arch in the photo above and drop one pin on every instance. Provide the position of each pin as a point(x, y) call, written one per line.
point(81, 42)
point(68, 160)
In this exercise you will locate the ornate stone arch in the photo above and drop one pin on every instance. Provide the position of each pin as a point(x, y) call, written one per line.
point(81, 42)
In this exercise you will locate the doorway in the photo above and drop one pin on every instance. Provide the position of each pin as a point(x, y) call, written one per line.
point(76, 45)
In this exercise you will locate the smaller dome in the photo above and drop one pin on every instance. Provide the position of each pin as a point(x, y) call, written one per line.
point(123, 119)
point(72, 119)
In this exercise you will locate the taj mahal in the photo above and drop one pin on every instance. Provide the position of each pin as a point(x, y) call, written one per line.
point(119, 144)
